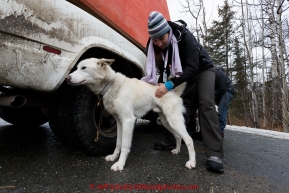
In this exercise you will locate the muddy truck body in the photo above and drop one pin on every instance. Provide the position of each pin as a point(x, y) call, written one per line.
point(42, 41)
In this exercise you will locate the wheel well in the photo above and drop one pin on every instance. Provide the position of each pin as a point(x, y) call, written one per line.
point(120, 64)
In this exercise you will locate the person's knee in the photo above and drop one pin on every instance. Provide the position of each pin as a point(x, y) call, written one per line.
point(206, 104)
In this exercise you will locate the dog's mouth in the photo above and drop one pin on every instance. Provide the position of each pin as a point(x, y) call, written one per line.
point(76, 83)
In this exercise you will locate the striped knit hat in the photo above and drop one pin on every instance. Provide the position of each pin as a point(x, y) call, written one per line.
point(157, 25)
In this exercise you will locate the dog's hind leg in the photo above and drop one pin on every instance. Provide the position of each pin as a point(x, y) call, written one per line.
point(176, 122)
point(127, 132)
point(116, 152)
point(176, 135)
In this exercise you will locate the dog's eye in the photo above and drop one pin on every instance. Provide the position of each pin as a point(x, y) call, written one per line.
point(83, 67)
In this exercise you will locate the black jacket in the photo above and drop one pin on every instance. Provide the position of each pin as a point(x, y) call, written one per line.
point(223, 84)
point(194, 58)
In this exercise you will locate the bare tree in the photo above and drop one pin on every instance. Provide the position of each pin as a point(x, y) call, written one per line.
point(263, 68)
point(204, 31)
point(282, 70)
point(269, 8)
point(248, 48)
point(193, 7)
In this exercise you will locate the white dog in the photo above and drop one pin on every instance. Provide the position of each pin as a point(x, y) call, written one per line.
point(127, 99)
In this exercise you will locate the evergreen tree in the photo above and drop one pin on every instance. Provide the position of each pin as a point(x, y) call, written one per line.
point(238, 107)
point(220, 36)
point(239, 67)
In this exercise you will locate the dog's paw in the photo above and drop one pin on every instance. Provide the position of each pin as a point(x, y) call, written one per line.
point(117, 166)
point(111, 157)
point(191, 164)
point(175, 151)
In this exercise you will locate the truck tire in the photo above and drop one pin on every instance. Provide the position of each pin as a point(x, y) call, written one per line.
point(74, 118)
point(23, 116)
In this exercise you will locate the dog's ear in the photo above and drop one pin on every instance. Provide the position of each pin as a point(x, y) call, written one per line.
point(104, 61)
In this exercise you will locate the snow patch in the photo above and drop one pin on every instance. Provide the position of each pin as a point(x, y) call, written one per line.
point(262, 132)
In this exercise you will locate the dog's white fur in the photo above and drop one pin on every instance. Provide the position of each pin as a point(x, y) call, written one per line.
point(127, 99)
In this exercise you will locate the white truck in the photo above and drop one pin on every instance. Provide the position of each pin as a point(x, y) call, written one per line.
point(41, 41)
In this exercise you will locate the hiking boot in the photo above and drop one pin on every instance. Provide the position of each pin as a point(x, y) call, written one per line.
point(215, 164)
point(164, 146)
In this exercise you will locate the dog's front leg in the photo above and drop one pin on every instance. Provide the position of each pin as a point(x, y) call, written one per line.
point(116, 152)
point(127, 132)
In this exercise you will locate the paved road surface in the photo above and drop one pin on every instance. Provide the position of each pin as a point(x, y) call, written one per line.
point(33, 160)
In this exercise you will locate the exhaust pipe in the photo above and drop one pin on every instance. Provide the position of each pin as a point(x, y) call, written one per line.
point(14, 101)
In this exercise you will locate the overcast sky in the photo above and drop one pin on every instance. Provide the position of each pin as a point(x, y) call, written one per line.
point(211, 7)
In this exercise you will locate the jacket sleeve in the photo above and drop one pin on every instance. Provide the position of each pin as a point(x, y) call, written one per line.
point(189, 54)
point(220, 85)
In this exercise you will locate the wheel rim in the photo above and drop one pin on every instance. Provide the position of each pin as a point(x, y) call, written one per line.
point(105, 124)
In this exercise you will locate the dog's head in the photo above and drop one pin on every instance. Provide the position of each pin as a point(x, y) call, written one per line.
point(89, 71)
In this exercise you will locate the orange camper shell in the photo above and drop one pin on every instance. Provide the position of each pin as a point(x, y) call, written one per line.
point(128, 17)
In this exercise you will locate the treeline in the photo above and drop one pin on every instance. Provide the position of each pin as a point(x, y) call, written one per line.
point(250, 40)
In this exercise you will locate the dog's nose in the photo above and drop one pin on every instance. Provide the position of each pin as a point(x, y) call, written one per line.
point(68, 78)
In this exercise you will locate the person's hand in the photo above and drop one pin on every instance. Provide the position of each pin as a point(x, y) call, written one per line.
point(161, 90)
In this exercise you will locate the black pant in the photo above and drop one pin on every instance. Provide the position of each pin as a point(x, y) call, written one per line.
point(199, 94)
point(208, 117)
